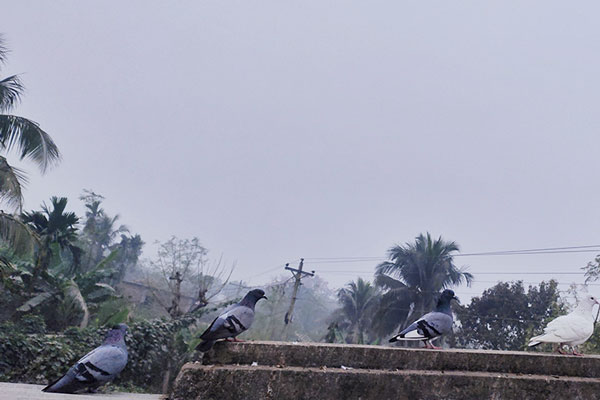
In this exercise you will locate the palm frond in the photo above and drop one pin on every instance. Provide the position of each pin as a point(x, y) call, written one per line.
point(12, 181)
point(387, 282)
point(26, 137)
point(3, 50)
point(21, 239)
point(6, 267)
point(11, 89)
point(35, 301)
point(72, 291)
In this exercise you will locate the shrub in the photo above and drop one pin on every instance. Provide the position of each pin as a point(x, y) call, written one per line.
point(156, 350)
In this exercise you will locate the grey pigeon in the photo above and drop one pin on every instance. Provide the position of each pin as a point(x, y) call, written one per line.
point(97, 367)
point(235, 320)
point(432, 325)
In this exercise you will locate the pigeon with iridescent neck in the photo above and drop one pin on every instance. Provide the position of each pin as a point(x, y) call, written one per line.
point(235, 320)
point(97, 367)
point(431, 325)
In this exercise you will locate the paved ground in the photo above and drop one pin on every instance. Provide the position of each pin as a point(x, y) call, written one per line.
point(21, 391)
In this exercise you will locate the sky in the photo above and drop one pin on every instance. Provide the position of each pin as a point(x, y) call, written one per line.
point(278, 130)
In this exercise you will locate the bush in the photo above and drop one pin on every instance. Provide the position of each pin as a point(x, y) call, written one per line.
point(156, 349)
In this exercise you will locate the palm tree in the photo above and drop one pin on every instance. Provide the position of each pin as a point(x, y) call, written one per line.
point(57, 258)
point(100, 231)
point(412, 279)
point(54, 228)
point(358, 300)
point(21, 135)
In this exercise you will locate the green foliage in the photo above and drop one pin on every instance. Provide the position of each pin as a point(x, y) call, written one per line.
point(155, 348)
point(505, 316)
point(358, 301)
point(312, 312)
point(412, 279)
point(22, 136)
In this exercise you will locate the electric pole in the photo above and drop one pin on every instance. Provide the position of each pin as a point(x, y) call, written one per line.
point(298, 275)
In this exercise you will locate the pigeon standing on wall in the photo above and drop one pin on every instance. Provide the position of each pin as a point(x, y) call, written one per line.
point(97, 367)
point(235, 320)
point(572, 329)
point(432, 325)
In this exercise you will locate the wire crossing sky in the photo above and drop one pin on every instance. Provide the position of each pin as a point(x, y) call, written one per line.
point(275, 131)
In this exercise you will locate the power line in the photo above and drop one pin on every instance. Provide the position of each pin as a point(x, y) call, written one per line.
point(545, 250)
point(326, 271)
point(271, 270)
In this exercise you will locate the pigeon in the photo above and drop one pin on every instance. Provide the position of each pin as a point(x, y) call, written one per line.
point(431, 325)
point(572, 329)
point(97, 367)
point(235, 320)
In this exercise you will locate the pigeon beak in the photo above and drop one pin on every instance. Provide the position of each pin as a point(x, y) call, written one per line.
point(264, 297)
point(457, 300)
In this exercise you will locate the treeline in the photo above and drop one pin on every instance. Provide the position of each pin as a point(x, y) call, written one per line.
point(503, 317)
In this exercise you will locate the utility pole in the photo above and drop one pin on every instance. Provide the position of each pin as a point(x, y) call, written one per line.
point(298, 274)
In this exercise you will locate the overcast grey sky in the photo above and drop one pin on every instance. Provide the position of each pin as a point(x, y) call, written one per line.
point(277, 130)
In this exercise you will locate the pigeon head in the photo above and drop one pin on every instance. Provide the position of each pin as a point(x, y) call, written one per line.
point(116, 334)
point(443, 304)
point(253, 296)
point(122, 327)
point(448, 295)
point(589, 301)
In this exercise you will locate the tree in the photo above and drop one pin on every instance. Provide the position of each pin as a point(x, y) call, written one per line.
point(184, 261)
point(412, 279)
point(54, 282)
point(99, 229)
point(56, 231)
point(21, 135)
point(505, 316)
point(314, 305)
point(129, 251)
point(358, 300)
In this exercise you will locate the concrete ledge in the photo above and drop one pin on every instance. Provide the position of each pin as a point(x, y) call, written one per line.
point(392, 358)
point(203, 382)
point(23, 391)
point(339, 372)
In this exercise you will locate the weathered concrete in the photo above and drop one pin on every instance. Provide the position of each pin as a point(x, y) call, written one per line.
point(392, 358)
point(229, 382)
point(325, 371)
point(22, 391)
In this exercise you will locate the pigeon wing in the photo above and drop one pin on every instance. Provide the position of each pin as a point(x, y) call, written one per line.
point(429, 326)
point(565, 329)
point(105, 362)
point(229, 324)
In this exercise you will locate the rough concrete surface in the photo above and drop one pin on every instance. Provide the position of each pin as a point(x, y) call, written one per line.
point(325, 371)
point(246, 382)
point(380, 357)
point(22, 391)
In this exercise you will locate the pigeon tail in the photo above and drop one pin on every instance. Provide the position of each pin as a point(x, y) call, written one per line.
point(545, 338)
point(205, 346)
point(64, 384)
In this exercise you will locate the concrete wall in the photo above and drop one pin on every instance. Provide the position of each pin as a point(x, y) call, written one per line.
point(327, 371)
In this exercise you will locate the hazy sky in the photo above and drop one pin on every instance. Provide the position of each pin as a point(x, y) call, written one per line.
point(277, 130)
